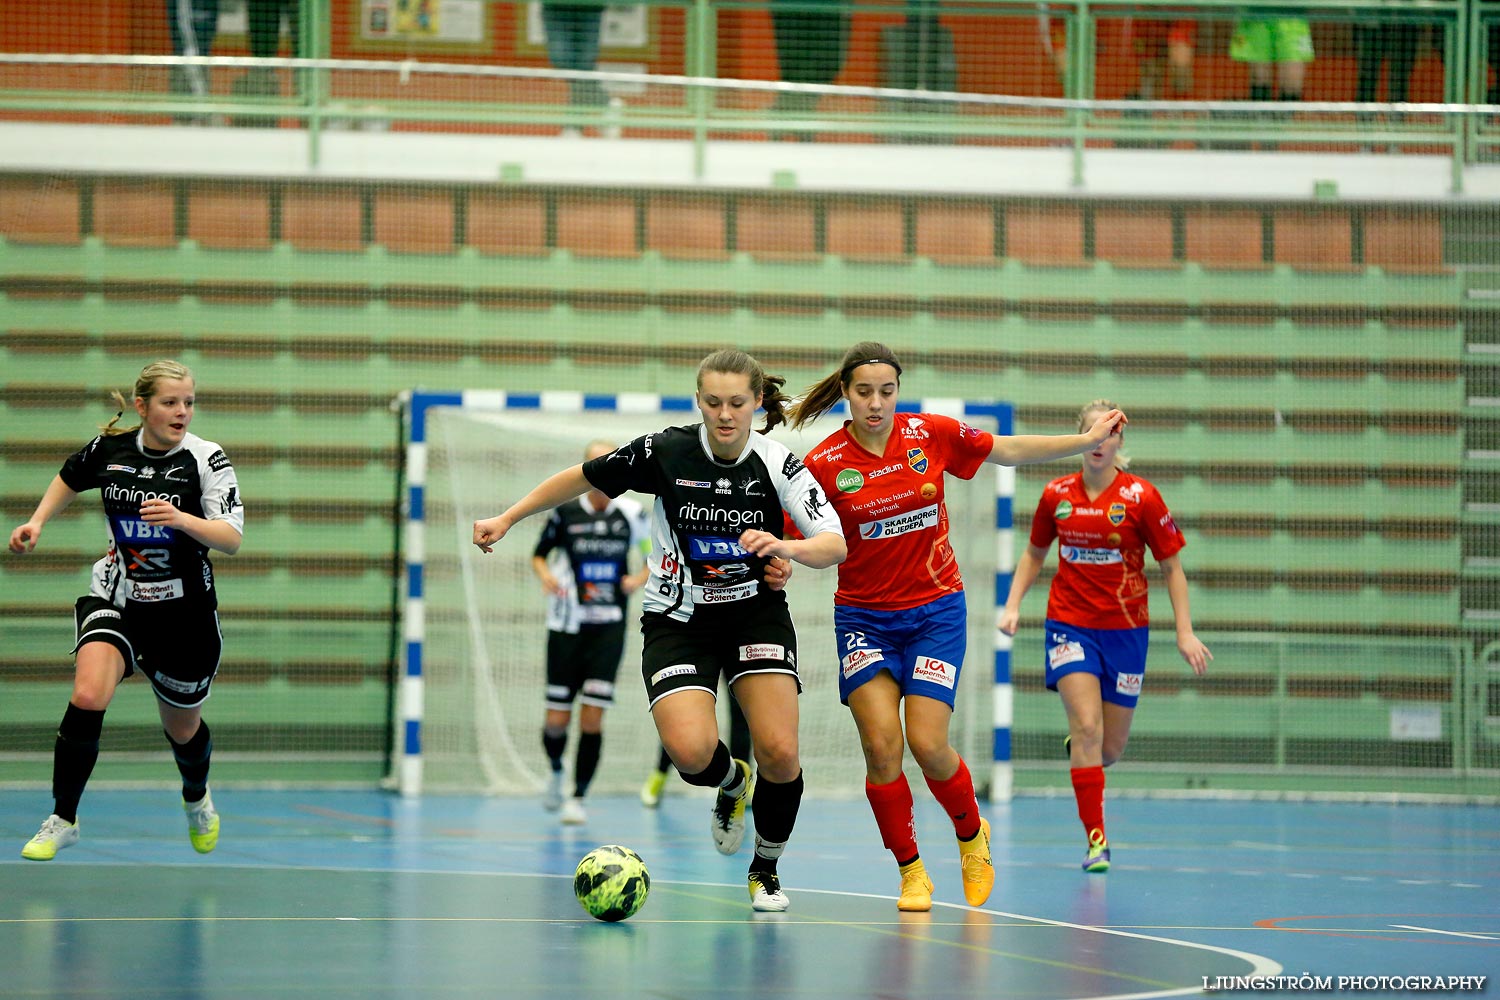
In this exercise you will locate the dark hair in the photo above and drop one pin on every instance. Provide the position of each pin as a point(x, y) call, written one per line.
point(823, 396)
point(145, 388)
point(768, 387)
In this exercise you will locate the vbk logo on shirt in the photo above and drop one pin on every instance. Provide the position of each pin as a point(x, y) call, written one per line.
point(1116, 513)
point(132, 530)
point(917, 459)
point(708, 547)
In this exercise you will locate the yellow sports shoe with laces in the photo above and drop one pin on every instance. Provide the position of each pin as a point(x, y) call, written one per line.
point(1097, 859)
point(54, 835)
point(978, 869)
point(916, 888)
point(203, 823)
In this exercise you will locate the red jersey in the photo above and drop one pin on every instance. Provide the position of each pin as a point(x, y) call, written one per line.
point(891, 508)
point(1101, 573)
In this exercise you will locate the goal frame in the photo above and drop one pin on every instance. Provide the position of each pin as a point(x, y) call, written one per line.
point(417, 404)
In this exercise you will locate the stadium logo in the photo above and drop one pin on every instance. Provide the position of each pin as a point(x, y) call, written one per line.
point(886, 471)
point(849, 481)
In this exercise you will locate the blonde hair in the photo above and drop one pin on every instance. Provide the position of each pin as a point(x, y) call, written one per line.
point(768, 387)
point(825, 394)
point(145, 387)
point(1122, 460)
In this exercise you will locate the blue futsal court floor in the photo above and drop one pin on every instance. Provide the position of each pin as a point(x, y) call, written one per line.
point(361, 894)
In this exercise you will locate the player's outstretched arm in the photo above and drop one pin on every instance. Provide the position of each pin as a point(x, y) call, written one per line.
point(1028, 567)
point(1025, 449)
point(57, 497)
point(826, 548)
point(556, 489)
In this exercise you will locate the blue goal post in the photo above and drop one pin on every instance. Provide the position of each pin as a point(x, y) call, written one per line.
point(418, 405)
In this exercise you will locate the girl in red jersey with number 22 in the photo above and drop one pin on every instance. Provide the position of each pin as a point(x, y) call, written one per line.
point(899, 614)
point(1104, 519)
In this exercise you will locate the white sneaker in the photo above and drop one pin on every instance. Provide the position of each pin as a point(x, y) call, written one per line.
point(765, 893)
point(573, 813)
point(203, 823)
point(552, 798)
point(727, 819)
point(55, 834)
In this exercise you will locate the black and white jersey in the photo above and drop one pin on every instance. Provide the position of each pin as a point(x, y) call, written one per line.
point(702, 506)
point(589, 555)
point(148, 564)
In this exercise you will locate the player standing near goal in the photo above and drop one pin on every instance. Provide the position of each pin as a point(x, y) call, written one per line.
point(169, 497)
point(718, 518)
point(900, 620)
point(1096, 628)
point(582, 560)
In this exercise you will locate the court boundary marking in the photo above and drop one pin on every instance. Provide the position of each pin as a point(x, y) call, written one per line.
point(1261, 965)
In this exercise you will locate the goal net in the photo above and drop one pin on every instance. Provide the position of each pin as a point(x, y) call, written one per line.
point(481, 642)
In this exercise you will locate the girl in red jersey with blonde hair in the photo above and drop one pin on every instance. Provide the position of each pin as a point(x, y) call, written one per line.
point(1104, 519)
point(900, 619)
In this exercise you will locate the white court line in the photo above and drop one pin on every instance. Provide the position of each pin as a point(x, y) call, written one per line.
point(1260, 965)
point(1434, 930)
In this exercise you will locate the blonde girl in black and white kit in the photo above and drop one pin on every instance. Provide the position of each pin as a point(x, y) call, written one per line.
point(169, 497)
point(707, 607)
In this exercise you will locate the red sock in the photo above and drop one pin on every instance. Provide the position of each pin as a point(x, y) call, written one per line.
point(892, 805)
point(1088, 789)
point(956, 795)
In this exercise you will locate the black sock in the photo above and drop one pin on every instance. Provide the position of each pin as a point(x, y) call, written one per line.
point(555, 741)
point(192, 760)
point(664, 762)
point(1260, 92)
point(718, 771)
point(739, 732)
point(73, 757)
point(587, 762)
point(775, 807)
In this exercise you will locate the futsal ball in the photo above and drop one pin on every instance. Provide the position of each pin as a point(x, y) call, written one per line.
point(611, 882)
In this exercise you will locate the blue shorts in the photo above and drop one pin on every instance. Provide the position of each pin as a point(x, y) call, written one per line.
point(921, 647)
point(1117, 656)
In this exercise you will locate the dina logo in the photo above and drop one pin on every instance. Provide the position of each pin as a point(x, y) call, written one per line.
point(849, 481)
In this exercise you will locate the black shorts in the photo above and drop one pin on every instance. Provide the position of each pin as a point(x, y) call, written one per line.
point(691, 655)
point(583, 665)
point(179, 656)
